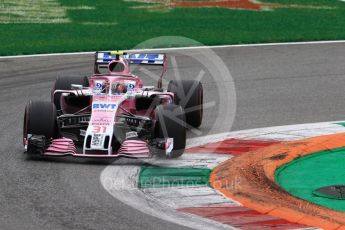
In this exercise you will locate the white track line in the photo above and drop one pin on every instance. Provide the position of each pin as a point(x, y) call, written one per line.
point(183, 48)
point(121, 181)
point(187, 197)
point(281, 133)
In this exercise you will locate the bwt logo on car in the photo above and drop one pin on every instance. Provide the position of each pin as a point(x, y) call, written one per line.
point(103, 106)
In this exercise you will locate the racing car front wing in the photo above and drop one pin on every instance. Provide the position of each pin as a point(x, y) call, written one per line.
point(131, 148)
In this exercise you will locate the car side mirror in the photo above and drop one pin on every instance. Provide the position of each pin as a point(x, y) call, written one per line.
point(76, 86)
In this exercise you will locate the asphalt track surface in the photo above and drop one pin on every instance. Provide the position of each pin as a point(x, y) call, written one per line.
point(275, 85)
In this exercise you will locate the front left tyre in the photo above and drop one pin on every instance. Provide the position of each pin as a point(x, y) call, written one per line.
point(40, 120)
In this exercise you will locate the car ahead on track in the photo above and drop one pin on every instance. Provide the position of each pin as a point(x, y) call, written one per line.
point(112, 114)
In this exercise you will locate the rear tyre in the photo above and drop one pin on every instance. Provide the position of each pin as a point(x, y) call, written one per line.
point(64, 83)
point(170, 123)
point(40, 120)
point(189, 94)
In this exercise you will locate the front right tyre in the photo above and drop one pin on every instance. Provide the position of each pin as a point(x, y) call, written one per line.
point(170, 123)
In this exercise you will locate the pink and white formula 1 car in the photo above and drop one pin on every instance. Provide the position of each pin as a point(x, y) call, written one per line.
point(113, 114)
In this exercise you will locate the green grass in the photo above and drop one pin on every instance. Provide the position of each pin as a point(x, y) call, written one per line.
point(116, 25)
point(303, 176)
point(173, 177)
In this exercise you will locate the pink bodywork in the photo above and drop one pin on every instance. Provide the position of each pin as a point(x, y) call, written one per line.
point(103, 120)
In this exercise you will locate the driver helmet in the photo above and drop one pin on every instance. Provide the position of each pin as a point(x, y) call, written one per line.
point(118, 88)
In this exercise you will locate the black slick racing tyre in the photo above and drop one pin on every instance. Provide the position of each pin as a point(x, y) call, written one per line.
point(189, 94)
point(170, 123)
point(64, 83)
point(40, 119)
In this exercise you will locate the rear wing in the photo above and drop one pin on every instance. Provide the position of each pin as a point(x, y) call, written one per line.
point(103, 58)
